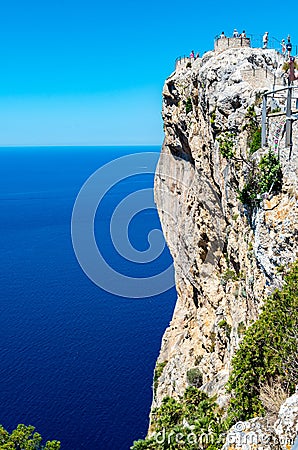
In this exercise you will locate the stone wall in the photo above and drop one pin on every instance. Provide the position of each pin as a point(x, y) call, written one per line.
point(222, 44)
point(260, 76)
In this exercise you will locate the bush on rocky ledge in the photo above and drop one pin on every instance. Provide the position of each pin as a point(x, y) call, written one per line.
point(194, 421)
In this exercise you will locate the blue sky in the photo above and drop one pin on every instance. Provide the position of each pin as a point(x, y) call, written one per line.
point(91, 72)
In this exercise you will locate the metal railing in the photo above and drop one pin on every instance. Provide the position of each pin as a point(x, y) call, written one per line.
point(256, 41)
point(289, 113)
point(183, 58)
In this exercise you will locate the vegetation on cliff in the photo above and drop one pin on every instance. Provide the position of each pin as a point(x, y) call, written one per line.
point(253, 129)
point(24, 438)
point(157, 374)
point(268, 353)
point(267, 357)
point(262, 178)
point(193, 421)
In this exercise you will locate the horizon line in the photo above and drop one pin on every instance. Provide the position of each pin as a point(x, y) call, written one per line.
point(78, 145)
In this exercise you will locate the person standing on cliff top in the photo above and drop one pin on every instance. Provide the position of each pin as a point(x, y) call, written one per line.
point(265, 40)
point(192, 55)
point(289, 46)
point(235, 33)
point(222, 35)
point(243, 34)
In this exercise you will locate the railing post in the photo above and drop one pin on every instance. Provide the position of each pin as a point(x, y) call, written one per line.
point(289, 118)
point(264, 130)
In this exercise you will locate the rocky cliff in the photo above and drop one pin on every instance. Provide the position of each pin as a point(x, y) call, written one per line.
point(230, 238)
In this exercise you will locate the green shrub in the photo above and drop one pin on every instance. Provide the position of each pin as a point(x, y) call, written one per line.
point(270, 173)
point(253, 128)
point(226, 145)
point(157, 373)
point(188, 105)
point(194, 377)
point(280, 269)
point(255, 141)
point(147, 444)
point(250, 194)
point(225, 326)
point(262, 178)
point(241, 328)
point(267, 352)
point(228, 275)
point(201, 414)
point(212, 117)
point(25, 438)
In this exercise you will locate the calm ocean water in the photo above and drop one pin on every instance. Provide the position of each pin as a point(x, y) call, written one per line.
point(76, 362)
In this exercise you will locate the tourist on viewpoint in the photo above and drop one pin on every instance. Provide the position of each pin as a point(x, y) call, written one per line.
point(289, 46)
point(283, 47)
point(265, 40)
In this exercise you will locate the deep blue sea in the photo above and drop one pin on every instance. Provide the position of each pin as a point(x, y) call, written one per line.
point(75, 361)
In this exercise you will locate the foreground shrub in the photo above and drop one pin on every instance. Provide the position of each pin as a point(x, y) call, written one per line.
point(25, 438)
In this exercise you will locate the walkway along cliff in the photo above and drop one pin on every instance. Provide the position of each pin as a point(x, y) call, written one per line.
point(233, 227)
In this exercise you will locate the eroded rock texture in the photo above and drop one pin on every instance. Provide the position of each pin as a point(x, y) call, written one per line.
point(226, 256)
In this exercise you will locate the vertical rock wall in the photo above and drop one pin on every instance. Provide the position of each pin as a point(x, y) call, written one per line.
point(226, 258)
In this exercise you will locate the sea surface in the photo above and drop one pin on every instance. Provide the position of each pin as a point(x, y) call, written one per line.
point(75, 361)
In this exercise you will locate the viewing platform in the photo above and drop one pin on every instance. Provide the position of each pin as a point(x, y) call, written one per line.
point(249, 41)
point(223, 43)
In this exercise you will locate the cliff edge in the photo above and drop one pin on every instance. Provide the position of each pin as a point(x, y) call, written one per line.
point(230, 234)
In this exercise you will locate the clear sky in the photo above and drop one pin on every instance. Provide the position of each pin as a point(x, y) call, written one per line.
point(90, 72)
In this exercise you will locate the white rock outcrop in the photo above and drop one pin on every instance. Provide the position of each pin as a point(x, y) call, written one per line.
point(258, 433)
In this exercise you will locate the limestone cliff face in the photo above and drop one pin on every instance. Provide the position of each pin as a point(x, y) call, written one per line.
point(226, 257)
